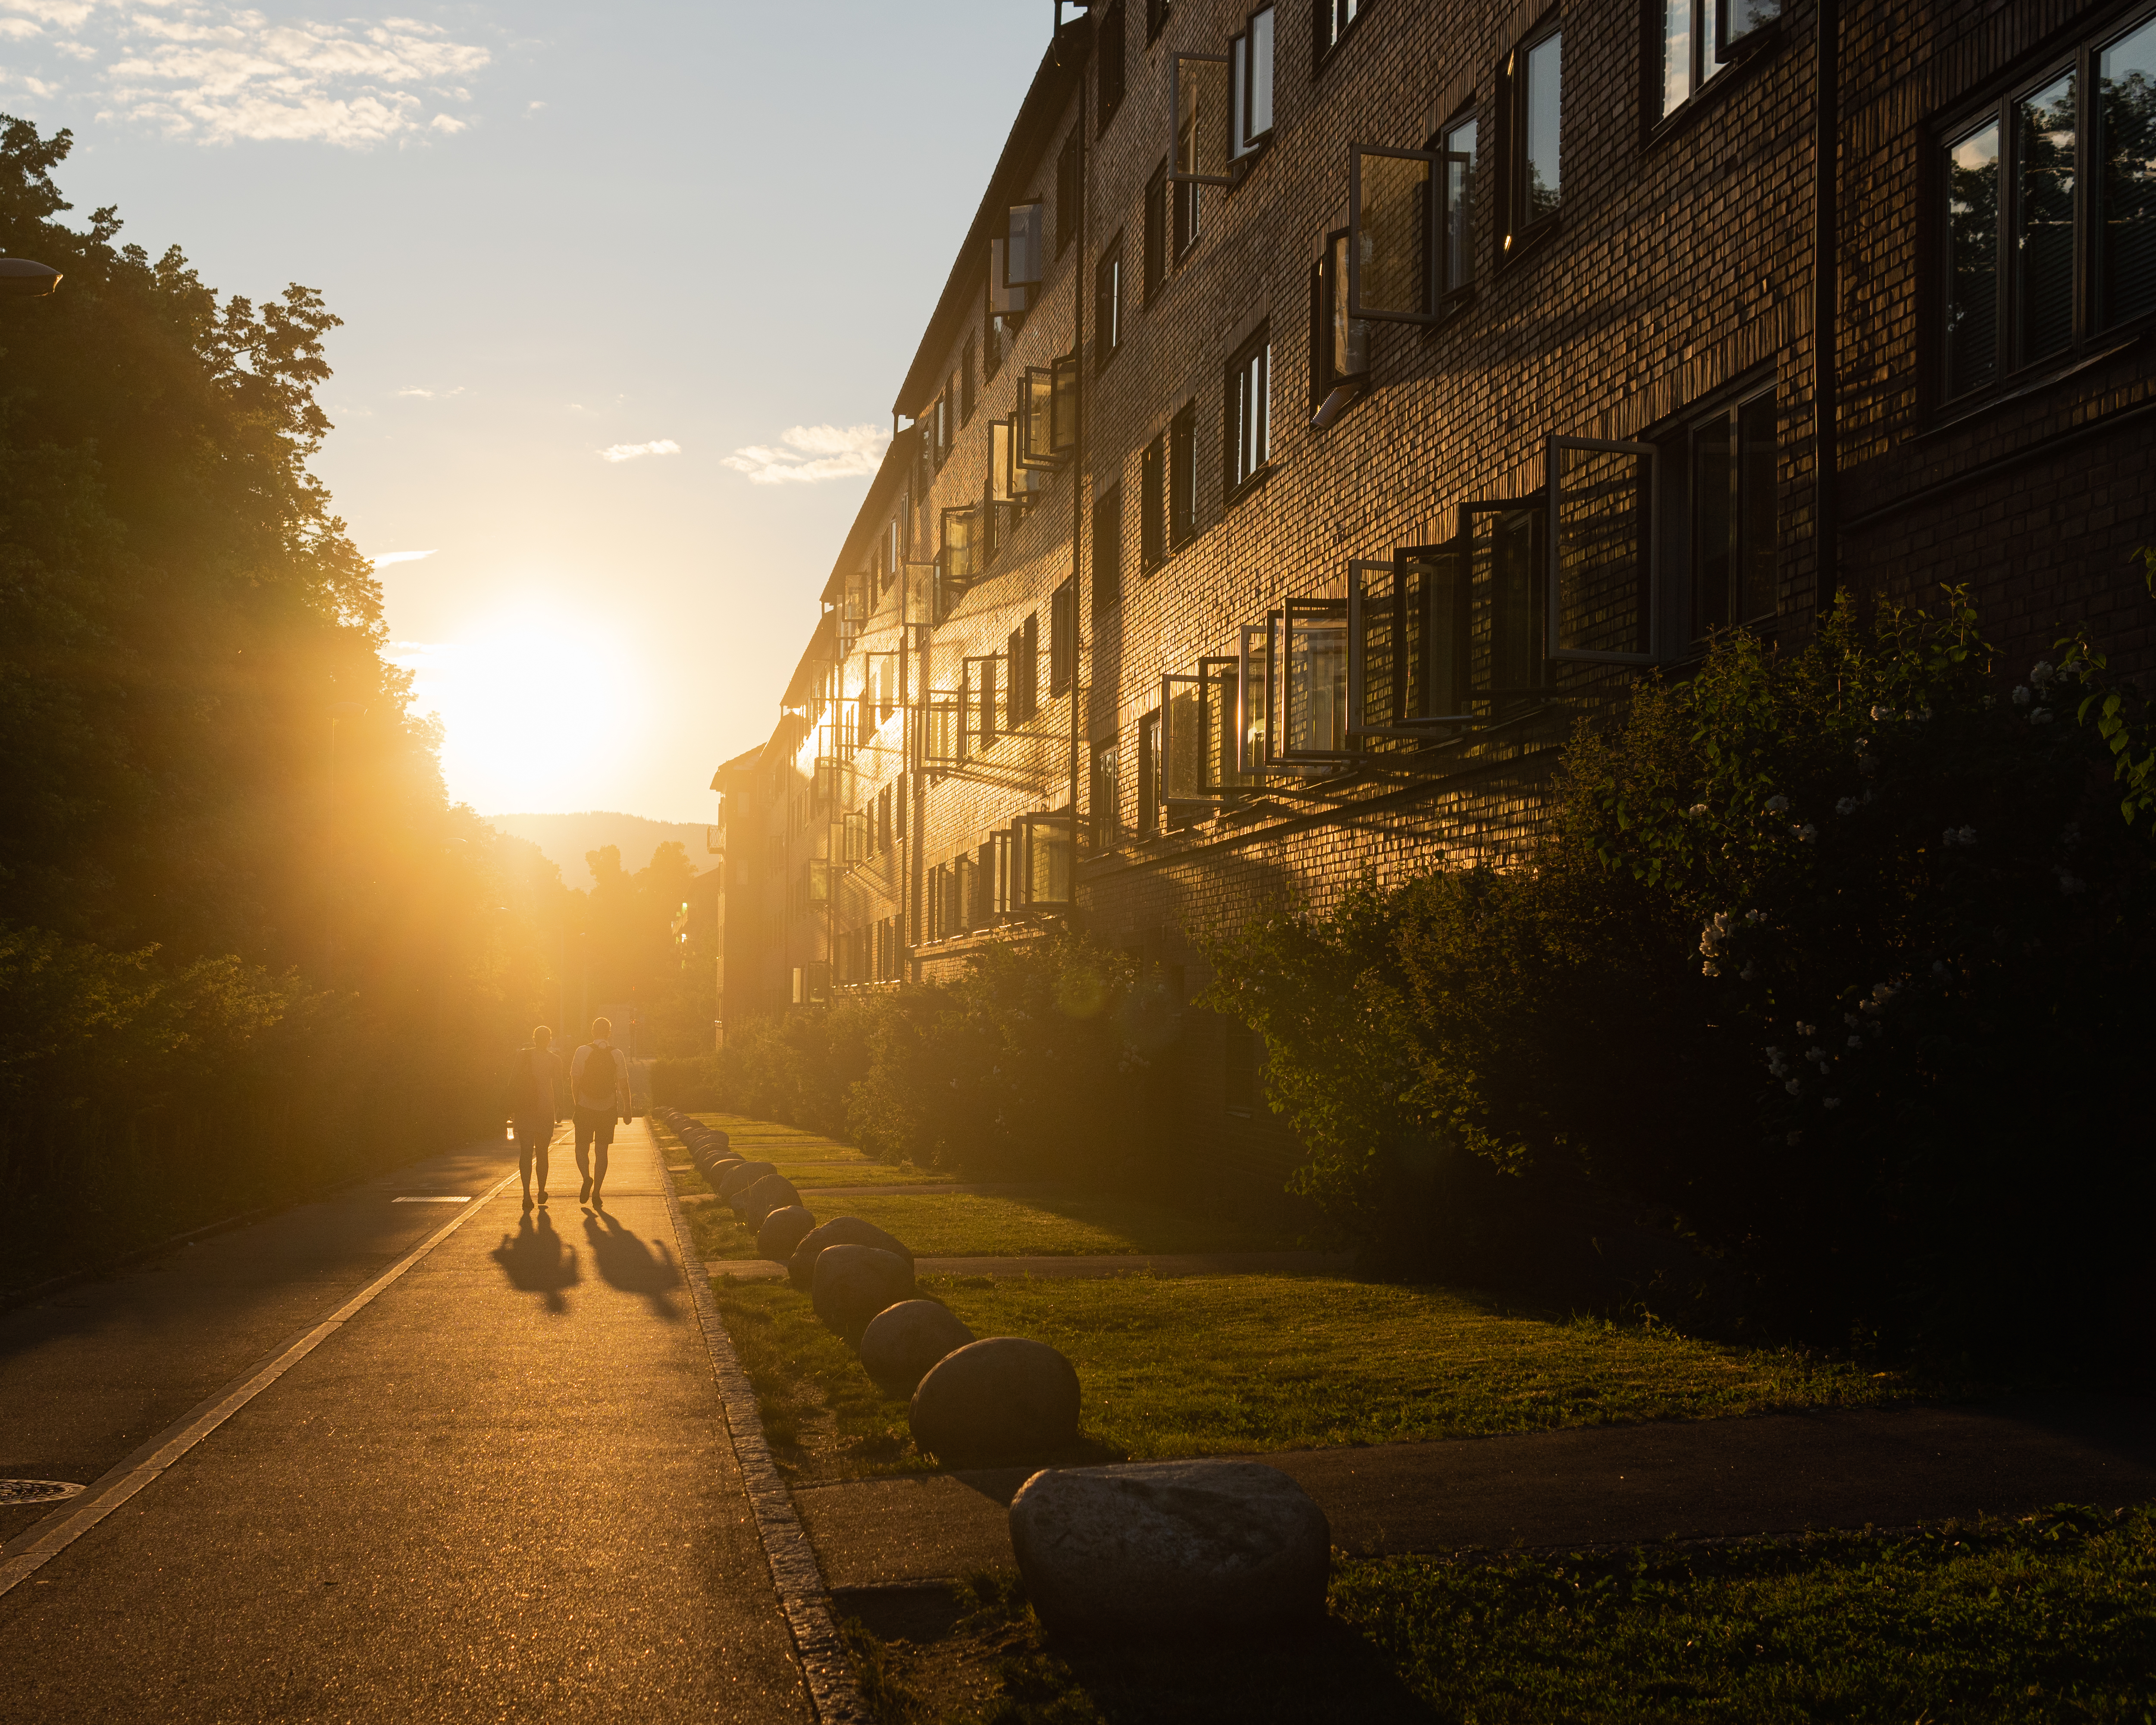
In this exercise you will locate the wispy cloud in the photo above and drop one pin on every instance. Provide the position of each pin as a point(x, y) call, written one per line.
point(388, 557)
point(630, 452)
point(218, 74)
point(414, 389)
point(811, 453)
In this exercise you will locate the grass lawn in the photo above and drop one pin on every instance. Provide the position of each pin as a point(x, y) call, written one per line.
point(2047, 1619)
point(1215, 1365)
point(976, 1225)
point(808, 1159)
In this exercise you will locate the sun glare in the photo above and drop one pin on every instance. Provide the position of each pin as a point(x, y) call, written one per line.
point(538, 712)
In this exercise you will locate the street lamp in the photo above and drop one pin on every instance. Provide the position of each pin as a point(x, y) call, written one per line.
point(26, 279)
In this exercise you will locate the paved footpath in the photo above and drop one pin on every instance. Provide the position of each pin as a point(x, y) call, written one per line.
point(502, 1489)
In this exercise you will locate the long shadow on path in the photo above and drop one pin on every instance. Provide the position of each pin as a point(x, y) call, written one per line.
point(627, 1264)
point(538, 1261)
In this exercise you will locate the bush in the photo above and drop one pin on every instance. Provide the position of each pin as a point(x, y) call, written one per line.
point(1039, 1060)
point(1831, 962)
point(135, 1099)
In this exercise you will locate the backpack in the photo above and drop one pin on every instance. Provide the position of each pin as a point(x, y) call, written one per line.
point(596, 1089)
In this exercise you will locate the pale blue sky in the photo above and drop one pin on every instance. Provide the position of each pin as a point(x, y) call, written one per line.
point(554, 232)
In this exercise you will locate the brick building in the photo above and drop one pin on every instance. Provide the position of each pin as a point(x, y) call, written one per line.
point(1331, 403)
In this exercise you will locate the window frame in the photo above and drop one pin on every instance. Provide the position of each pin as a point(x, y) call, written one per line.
point(1158, 13)
point(1186, 104)
point(1333, 391)
point(1437, 300)
point(1104, 793)
point(1522, 234)
point(1183, 787)
point(1727, 409)
point(1107, 583)
point(1069, 190)
point(1112, 45)
point(1235, 480)
point(1507, 701)
point(1394, 609)
point(1154, 549)
point(1325, 40)
point(1182, 498)
point(1245, 144)
point(1151, 810)
point(1062, 636)
point(1108, 303)
point(1650, 603)
point(2092, 323)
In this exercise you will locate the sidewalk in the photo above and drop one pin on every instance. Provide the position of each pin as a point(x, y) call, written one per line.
point(503, 1488)
point(1615, 1484)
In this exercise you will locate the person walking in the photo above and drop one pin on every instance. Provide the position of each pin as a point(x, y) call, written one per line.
point(534, 1090)
point(598, 1088)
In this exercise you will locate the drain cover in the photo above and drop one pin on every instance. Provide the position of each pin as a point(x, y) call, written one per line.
point(12, 1491)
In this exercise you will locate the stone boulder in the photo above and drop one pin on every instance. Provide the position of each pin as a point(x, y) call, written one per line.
point(903, 1340)
point(1170, 1547)
point(1004, 1398)
point(839, 1231)
point(855, 1282)
point(783, 1230)
point(773, 1192)
point(741, 1177)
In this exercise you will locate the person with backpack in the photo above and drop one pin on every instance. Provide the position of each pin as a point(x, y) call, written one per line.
point(535, 1084)
point(598, 1088)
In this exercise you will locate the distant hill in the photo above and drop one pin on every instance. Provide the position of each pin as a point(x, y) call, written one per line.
point(565, 839)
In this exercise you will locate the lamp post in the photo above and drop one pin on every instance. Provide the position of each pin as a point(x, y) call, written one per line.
point(26, 279)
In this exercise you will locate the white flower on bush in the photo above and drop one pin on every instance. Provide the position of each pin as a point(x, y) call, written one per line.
point(1758, 919)
point(1699, 808)
point(2040, 672)
point(1879, 716)
point(1795, 1086)
point(2071, 883)
point(1805, 1029)
point(1924, 713)
point(1778, 805)
point(1804, 830)
point(1829, 1102)
point(1710, 968)
point(1989, 702)
point(1856, 1042)
point(2020, 694)
point(1846, 805)
point(2042, 716)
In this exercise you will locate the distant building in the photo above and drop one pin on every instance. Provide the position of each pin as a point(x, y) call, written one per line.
point(1328, 405)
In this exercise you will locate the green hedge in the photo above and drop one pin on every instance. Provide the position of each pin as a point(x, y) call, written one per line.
point(1831, 965)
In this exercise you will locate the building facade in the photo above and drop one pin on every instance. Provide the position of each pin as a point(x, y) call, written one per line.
point(1330, 404)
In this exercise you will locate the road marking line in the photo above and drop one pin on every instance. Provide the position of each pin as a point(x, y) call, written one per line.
point(38, 1545)
point(825, 1666)
point(436, 1200)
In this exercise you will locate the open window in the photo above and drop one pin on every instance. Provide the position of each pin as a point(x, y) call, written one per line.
point(1393, 260)
point(1602, 565)
point(1009, 480)
point(960, 560)
point(1502, 543)
point(1220, 765)
point(1407, 631)
point(1340, 345)
point(1200, 138)
point(939, 731)
point(978, 696)
point(1048, 413)
point(1182, 745)
point(1025, 246)
point(1254, 684)
point(1045, 853)
point(1309, 650)
point(855, 837)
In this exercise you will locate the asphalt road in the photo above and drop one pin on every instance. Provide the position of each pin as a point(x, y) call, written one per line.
point(502, 1490)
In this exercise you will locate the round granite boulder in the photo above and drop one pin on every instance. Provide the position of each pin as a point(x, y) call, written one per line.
point(782, 1230)
point(839, 1231)
point(1156, 1548)
point(903, 1340)
point(855, 1282)
point(760, 1198)
point(1004, 1398)
point(741, 1177)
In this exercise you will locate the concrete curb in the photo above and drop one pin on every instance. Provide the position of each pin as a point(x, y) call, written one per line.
point(826, 1667)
